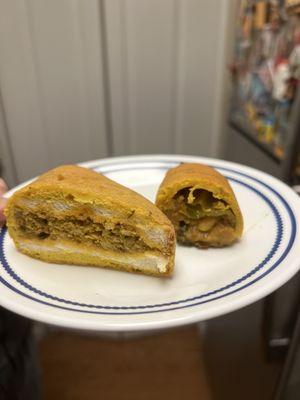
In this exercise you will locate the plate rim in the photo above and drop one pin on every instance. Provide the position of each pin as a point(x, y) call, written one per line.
point(158, 306)
point(178, 158)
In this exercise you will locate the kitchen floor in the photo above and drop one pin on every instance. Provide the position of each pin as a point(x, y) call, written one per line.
point(160, 366)
point(174, 364)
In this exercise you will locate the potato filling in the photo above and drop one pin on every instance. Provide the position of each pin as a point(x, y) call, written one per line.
point(200, 218)
point(107, 235)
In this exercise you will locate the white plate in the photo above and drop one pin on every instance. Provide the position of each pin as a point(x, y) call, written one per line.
point(206, 283)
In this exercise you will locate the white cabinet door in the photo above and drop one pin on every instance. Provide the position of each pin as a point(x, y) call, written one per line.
point(167, 69)
point(87, 79)
point(51, 82)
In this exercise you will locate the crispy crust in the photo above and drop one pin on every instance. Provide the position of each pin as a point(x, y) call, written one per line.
point(88, 187)
point(204, 177)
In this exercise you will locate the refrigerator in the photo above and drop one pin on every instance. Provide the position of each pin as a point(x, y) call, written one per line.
point(263, 131)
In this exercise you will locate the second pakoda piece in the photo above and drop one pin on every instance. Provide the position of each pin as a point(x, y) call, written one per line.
point(202, 206)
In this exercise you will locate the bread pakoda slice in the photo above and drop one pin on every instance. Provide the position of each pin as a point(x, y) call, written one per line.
point(201, 205)
point(74, 215)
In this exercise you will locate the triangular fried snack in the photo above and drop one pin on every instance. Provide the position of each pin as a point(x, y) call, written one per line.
point(73, 215)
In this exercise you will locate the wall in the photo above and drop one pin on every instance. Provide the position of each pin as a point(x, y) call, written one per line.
point(83, 80)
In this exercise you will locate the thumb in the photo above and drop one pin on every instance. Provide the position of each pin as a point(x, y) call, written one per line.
point(2, 206)
point(3, 187)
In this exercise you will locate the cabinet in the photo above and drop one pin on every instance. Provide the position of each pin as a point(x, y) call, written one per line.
point(88, 79)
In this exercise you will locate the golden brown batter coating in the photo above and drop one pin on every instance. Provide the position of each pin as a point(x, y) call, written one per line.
point(75, 215)
point(201, 205)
